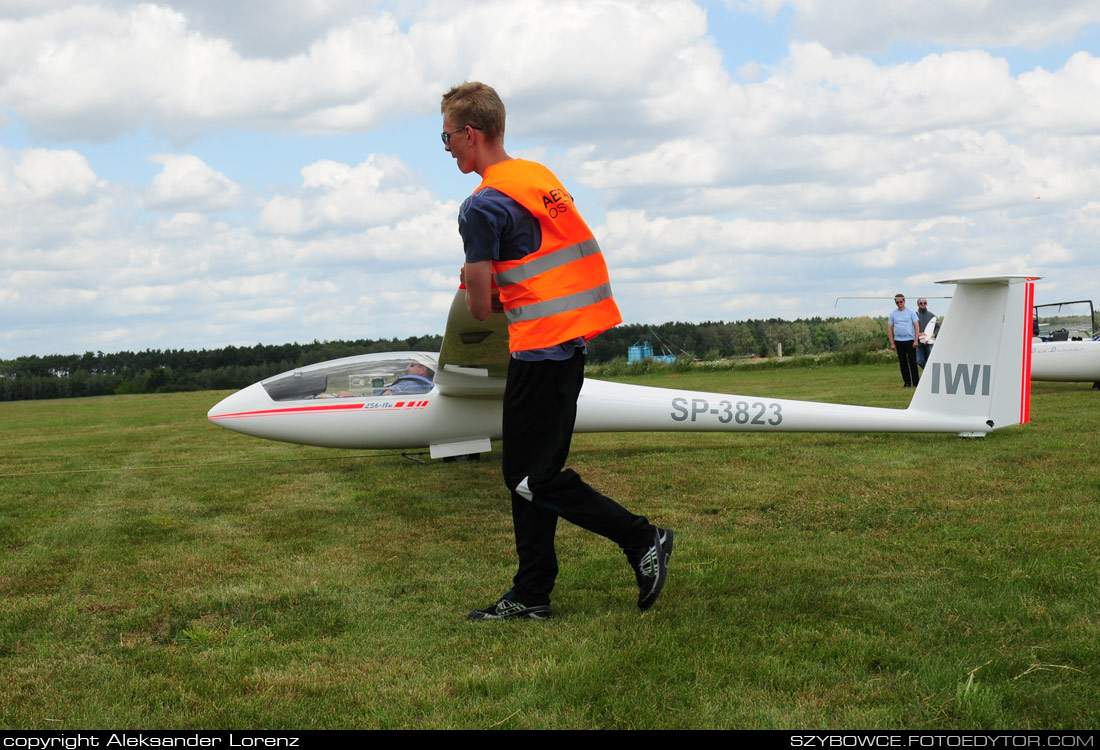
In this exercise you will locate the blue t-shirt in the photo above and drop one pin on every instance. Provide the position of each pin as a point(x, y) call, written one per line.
point(495, 227)
point(411, 384)
point(902, 321)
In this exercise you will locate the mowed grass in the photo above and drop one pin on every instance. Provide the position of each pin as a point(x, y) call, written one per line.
point(159, 572)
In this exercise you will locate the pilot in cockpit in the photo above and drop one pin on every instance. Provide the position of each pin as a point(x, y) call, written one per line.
point(417, 379)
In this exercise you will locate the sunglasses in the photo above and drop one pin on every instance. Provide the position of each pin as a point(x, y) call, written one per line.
point(447, 136)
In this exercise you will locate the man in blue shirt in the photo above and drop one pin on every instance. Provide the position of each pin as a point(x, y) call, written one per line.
point(903, 330)
point(417, 379)
point(544, 381)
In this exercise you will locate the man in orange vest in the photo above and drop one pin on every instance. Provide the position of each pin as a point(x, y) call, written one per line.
point(521, 230)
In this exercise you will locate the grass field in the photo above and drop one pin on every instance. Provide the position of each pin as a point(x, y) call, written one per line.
point(158, 572)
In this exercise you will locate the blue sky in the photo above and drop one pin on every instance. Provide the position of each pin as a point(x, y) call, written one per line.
point(194, 174)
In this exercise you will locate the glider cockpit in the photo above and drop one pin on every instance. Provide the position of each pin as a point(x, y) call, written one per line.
point(361, 376)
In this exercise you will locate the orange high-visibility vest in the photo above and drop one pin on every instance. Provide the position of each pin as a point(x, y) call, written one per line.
point(561, 291)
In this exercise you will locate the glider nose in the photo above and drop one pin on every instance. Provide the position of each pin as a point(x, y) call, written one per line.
point(243, 403)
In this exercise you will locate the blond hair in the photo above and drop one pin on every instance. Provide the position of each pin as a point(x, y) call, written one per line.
point(475, 104)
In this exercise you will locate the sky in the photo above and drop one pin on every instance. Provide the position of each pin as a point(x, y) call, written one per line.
point(193, 174)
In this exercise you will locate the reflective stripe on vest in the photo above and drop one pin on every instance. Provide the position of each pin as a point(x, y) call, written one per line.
point(542, 263)
point(560, 304)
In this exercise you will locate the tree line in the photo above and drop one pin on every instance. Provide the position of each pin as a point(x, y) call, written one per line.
point(231, 367)
point(168, 370)
point(749, 338)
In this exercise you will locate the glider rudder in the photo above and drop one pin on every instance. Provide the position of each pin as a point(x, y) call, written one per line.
point(980, 364)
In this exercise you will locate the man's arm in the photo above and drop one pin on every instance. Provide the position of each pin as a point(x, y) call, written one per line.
point(890, 333)
point(479, 288)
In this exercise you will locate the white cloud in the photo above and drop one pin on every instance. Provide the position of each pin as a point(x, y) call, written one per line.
point(826, 134)
point(45, 175)
point(1062, 101)
point(871, 26)
point(1048, 252)
point(186, 182)
point(96, 72)
point(267, 28)
point(86, 72)
point(713, 195)
point(638, 239)
point(380, 190)
point(183, 224)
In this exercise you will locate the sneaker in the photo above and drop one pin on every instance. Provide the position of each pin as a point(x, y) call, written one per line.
point(507, 609)
point(651, 567)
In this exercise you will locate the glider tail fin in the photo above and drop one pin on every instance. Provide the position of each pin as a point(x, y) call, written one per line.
point(980, 364)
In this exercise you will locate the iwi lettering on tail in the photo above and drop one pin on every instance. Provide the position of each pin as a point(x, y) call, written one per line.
point(968, 376)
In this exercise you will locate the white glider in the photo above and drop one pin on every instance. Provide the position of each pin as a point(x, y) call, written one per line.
point(1067, 351)
point(1066, 361)
point(977, 379)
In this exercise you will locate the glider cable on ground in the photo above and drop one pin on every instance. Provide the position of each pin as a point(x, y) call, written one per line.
point(405, 454)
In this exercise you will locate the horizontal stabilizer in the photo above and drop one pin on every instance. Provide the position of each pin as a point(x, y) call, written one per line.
point(473, 360)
